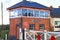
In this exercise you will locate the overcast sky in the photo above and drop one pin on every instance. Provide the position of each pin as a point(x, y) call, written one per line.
point(8, 3)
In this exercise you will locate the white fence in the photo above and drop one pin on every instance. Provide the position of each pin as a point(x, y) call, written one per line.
point(32, 35)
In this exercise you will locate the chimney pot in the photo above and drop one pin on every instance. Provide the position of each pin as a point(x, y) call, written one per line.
point(59, 7)
point(51, 6)
point(24, 0)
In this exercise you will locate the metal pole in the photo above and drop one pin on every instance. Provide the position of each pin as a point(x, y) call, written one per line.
point(23, 34)
point(21, 24)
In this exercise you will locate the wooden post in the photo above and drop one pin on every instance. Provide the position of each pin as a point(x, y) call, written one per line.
point(25, 33)
point(34, 35)
point(5, 36)
point(20, 34)
point(45, 35)
point(20, 29)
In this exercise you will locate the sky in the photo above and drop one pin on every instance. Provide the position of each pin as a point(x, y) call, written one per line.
point(9, 3)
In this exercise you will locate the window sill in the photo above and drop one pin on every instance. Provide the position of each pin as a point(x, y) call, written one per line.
point(29, 17)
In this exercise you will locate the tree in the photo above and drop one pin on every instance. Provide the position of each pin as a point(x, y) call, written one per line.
point(3, 33)
point(4, 30)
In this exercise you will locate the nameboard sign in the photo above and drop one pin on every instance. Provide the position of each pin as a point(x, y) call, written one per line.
point(36, 20)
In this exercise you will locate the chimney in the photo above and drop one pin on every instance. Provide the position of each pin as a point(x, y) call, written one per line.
point(24, 0)
point(58, 6)
point(51, 6)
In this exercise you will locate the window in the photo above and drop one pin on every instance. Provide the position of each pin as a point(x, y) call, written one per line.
point(31, 26)
point(41, 26)
point(57, 24)
point(30, 12)
point(46, 14)
point(19, 12)
point(24, 12)
point(15, 13)
point(36, 13)
point(41, 13)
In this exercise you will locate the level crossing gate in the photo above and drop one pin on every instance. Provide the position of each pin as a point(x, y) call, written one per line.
point(33, 35)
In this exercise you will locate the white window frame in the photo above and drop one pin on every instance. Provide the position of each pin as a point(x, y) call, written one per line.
point(15, 16)
point(43, 27)
point(30, 16)
point(32, 27)
point(57, 25)
point(36, 17)
point(27, 13)
point(43, 14)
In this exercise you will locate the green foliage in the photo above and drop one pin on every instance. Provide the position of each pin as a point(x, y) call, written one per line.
point(3, 33)
point(4, 29)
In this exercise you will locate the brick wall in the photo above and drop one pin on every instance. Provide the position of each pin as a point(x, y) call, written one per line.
point(14, 29)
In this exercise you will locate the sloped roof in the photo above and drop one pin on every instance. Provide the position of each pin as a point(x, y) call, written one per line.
point(28, 4)
point(55, 12)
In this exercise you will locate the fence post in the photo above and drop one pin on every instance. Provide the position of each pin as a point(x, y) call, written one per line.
point(20, 30)
point(45, 35)
point(25, 33)
point(34, 35)
point(5, 36)
point(20, 34)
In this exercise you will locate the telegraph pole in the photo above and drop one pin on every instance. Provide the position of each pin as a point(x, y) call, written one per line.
point(2, 12)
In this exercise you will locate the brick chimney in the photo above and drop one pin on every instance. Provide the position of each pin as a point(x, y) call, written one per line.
point(58, 6)
point(51, 6)
point(24, 0)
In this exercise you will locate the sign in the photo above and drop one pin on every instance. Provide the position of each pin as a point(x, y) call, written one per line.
point(38, 37)
point(52, 38)
point(36, 20)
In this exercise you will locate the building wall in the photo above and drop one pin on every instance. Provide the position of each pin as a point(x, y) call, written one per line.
point(14, 29)
point(14, 23)
point(52, 21)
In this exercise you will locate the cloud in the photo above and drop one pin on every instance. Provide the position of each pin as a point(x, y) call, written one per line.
point(8, 3)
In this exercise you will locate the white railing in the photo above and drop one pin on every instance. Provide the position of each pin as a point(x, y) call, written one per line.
point(31, 35)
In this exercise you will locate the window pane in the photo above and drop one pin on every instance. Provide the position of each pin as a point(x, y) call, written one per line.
point(46, 14)
point(30, 12)
point(24, 12)
point(12, 13)
point(19, 12)
point(31, 26)
point(36, 13)
point(15, 13)
point(57, 24)
point(41, 13)
point(41, 26)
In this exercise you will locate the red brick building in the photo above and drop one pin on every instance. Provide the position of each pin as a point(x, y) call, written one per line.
point(29, 15)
